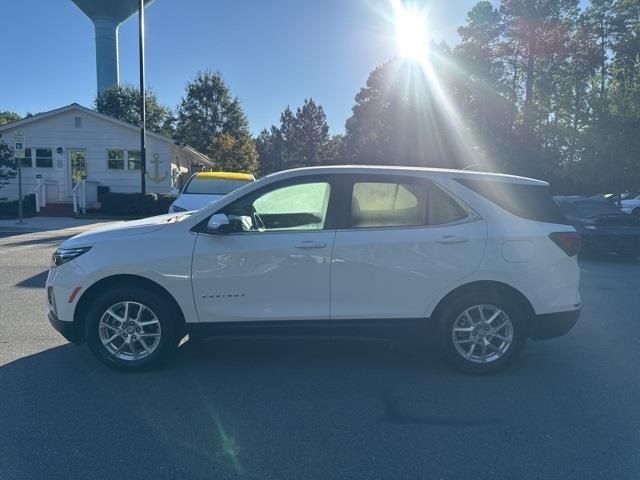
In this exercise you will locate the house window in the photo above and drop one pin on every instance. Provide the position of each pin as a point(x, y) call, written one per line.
point(115, 159)
point(26, 161)
point(78, 122)
point(44, 157)
point(134, 158)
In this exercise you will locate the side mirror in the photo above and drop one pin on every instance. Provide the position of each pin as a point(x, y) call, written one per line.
point(218, 224)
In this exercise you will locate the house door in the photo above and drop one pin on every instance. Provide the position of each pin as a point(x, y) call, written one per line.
point(77, 166)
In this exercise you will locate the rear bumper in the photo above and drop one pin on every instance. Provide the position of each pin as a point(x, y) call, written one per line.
point(619, 243)
point(551, 325)
point(68, 330)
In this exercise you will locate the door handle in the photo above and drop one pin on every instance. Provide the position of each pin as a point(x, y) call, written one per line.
point(310, 244)
point(451, 239)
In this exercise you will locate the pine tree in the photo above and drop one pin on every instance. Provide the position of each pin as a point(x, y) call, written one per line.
point(301, 140)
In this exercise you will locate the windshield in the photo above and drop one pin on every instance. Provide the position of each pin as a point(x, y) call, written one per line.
point(213, 186)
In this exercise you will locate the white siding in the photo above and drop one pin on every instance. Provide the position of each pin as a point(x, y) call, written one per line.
point(96, 135)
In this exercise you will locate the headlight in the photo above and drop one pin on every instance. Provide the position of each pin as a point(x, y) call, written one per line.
point(64, 255)
point(175, 209)
point(589, 227)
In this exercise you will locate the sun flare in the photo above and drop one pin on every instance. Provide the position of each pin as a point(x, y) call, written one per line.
point(411, 31)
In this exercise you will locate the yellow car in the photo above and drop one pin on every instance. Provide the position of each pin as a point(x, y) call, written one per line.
point(204, 188)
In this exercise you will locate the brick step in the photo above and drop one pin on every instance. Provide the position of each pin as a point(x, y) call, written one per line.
point(57, 209)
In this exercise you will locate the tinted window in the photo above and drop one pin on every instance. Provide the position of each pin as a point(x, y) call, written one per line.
point(533, 202)
point(400, 204)
point(442, 208)
point(381, 204)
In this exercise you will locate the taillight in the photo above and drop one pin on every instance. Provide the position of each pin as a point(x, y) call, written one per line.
point(569, 242)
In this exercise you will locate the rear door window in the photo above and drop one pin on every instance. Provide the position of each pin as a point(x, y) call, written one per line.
point(382, 204)
point(442, 209)
point(401, 203)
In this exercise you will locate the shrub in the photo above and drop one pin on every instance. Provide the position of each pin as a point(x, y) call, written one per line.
point(10, 209)
point(164, 202)
point(135, 204)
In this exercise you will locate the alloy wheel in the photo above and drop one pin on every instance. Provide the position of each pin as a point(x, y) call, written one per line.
point(130, 331)
point(482, 333)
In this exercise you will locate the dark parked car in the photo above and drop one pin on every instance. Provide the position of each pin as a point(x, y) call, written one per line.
point(613, 197)
point(603, 227)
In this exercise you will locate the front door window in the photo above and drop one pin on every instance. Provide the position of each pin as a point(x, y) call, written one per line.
point(293, 207)
point(78, 164)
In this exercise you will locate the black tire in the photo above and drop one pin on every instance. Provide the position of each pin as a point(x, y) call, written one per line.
point(516, 313)
point(164, 311)
point(636, 212)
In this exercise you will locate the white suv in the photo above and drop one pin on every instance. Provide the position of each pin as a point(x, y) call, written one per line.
point(483, 261)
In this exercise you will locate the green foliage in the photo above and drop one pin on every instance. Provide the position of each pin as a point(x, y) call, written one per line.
point(135, 204)
point(543, 88)
point(400, 119)
point(7, 165)
point(10, 209)
point(234, 153)
point(123, 102)
point(8, 117)
point(301, 140)
point(213, 122)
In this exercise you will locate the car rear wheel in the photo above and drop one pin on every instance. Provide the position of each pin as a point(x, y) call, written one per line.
point(131, 329)
point(482, 333)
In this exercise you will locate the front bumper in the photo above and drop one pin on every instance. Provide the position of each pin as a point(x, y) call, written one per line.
point(551, 325)
point(68, 330)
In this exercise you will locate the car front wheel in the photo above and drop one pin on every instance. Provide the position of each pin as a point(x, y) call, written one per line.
point(482, 334)
point(131, 329)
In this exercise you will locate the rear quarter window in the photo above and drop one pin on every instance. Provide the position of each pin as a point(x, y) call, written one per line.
point(533, 202)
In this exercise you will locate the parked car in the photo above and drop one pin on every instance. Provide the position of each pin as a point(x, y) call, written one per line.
point(204, 188)
point(603, 227)
point(613, 197)
point(631, 205)
point(482, 261)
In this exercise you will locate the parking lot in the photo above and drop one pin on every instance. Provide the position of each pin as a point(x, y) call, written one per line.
point(318, 408)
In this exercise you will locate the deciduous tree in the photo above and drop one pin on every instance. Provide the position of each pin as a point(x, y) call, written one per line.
point(123, 102)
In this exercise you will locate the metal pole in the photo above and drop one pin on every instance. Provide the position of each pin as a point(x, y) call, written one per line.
point(19, 161)
point(143, 113)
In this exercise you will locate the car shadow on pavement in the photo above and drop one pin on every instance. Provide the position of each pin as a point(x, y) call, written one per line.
point(264, 408)
point(36, 281)
point(54, 240)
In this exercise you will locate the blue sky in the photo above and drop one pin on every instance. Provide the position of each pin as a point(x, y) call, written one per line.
point(271, 53)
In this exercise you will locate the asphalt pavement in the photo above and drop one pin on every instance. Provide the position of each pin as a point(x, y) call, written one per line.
point(318, 408)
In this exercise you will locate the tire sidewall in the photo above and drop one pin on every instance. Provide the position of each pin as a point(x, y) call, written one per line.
point(454, 309)
point(160, 307)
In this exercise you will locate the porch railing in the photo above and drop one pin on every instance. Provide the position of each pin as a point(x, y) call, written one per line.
point(79, 195)
point(41, 193)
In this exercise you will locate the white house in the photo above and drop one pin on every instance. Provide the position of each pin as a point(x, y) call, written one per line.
point(69, 143)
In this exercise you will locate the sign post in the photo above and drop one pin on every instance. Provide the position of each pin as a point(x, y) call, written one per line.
point(18, 155)
point(143, 111)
